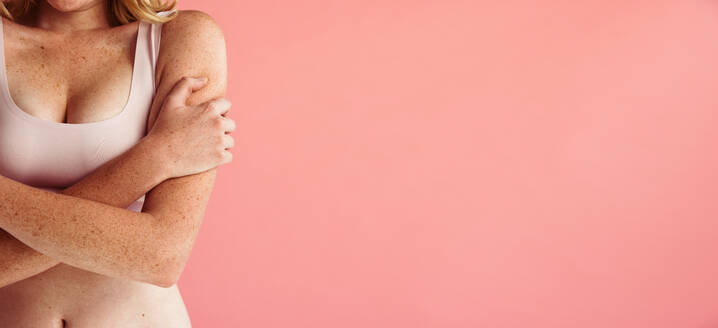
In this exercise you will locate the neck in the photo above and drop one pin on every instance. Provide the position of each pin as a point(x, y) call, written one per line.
point(46, 17)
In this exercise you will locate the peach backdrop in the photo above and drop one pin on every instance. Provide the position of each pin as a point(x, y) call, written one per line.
point(443, 163)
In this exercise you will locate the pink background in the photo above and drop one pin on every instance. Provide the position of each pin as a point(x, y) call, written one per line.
point(438, 163)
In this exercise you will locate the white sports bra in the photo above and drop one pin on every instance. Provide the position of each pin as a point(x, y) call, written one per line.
point(52, 155)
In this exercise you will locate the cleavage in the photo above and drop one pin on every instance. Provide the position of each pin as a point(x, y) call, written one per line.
point(70, 83)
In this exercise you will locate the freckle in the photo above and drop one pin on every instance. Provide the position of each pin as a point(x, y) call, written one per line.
point(143, 314)
point(42, 47)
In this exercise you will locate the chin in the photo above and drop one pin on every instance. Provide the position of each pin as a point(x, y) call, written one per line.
point(72, 5)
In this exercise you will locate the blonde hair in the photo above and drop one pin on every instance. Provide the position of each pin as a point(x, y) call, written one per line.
point(124, 11)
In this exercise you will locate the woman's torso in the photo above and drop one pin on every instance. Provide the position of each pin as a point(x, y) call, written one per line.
point(87, 300)
point(103, 83)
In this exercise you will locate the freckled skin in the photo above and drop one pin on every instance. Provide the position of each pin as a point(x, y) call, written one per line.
point(43, 90)
point(85, 78)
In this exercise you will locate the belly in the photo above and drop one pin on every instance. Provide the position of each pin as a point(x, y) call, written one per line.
point(83, 299)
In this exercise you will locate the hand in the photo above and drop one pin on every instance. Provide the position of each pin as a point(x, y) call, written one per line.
point(192, 139)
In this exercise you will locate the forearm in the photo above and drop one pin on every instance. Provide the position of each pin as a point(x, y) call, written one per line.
point(18, 261)
point(95, 233)
point(119, 182)
point(125, 178)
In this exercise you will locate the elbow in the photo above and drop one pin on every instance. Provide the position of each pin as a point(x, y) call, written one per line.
point(169, 261)
point(165, 263)
point(169, 253)
point(166, 280)
point(166, 273)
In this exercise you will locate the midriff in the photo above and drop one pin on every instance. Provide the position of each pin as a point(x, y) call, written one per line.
point(84, 299)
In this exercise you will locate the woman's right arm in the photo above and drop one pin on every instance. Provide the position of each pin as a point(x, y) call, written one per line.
point(117, 183)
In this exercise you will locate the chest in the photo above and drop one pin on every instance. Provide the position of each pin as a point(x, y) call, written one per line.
point(79, 80)
point(105, 89)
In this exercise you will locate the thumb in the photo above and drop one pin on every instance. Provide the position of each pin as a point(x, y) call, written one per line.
point(182, 90)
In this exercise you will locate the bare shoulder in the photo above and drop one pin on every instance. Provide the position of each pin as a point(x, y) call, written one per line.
point(192, 27)
point(192, 41)
point(192, 44)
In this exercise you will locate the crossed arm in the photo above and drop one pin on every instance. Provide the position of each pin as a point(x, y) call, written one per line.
point(87, 225)
point(118, 183)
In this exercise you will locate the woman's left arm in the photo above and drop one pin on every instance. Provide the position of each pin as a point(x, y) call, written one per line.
point(193, 45)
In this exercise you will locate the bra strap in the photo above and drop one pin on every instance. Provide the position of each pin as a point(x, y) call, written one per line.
point(155, 37)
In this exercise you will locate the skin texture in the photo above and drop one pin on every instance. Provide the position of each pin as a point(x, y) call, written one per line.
point(151, 246)
point(100, 245)
point(118, 183)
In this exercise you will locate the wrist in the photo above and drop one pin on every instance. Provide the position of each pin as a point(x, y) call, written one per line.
point(157, 164)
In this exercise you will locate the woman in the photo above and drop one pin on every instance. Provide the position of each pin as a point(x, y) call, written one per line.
point(108, 150)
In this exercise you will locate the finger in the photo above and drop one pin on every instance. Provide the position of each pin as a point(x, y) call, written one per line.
point(228, 124)
point(219, 106)
point(182, 90)
point(226, 157)
point(227, 141)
